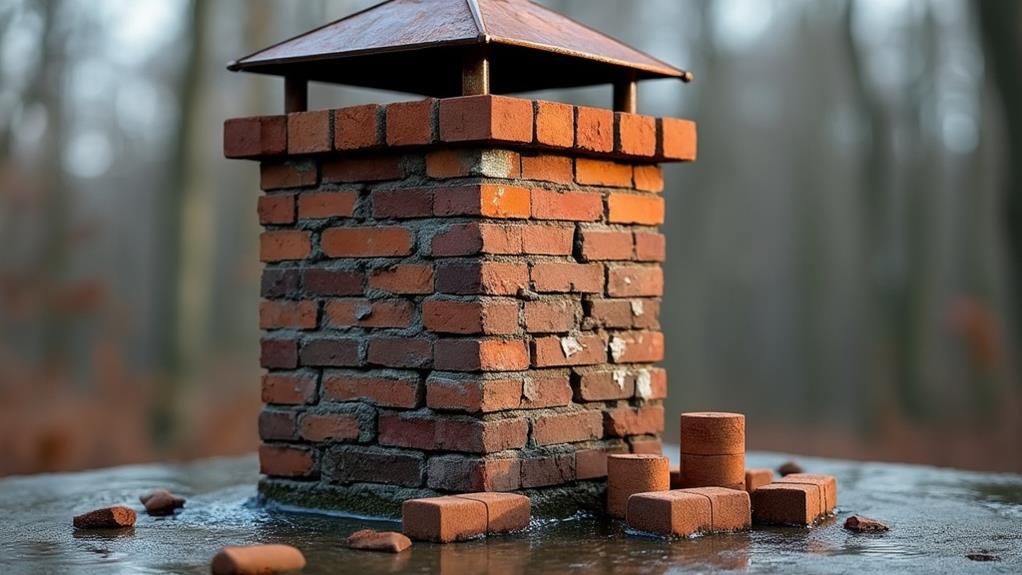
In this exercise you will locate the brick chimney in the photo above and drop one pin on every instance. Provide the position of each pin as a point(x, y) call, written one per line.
point(460, 293)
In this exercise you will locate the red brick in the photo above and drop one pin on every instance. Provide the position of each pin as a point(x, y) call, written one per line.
point(556, 351)
point(556, 277)
point(713, 470)
point(505, 512)
point(464, 240)
point(592, 463)
point(286, 461)
point(548, 240)
point(366, 313)
point(411, 123)
point(376, 241)
point(826, 483)
point(570, 206)
point(648, 445)
point(276, 209)
point(401, 391)
point(648, 178)
point(635, 209)
point(330, 427)
point(567, 427)
point(606, 245)
point(712, 433)
point(604, 385)
point(339, 352)
point(636, 134)
point(279, 283)
point(317, 205)
point(651, 383)
point(443, 519)
point(458, 473)
point(308, 132)
point(555, 124)
point(632, 281)
point(551, 470)
point(481, 355)
point(650, 247)
point(475, 436)
point(467, 317)
point(289, 388)
point(679, 139)
point(487, 200)
point(786, 504)
point(546, 389)
point(637, 347)
point(547, 168)
point(594, 129)
point(282, 314)
point(482, 278)
point(278, 353)
point(555, 316)
point(459, 163)
point(410, 430)
point(276, 425)
point(274, 176)
point(410, 279)
point(350, 463)
point(602, 173)
point(630, 474)
point(327, 282)
point(488, 118)
point(363, 169)
point(284, 245)
point(403, 203)
point(622, 313)
point(357, 127)
point(255, 137)
point(677, 513)
point(758, 477)
point(473, 394)
point(622, 421)
point(404, 352)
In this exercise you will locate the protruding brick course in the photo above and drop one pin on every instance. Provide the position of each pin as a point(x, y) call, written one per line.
point(461, 294)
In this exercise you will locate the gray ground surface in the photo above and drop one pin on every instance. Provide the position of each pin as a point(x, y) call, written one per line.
point(938, 516)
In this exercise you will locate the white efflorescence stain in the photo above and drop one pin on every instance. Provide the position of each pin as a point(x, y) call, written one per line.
point(570, 346)
point(637, 308)
point(529, 389)
point(619, 377)
point(644, 384)
point(618, 347)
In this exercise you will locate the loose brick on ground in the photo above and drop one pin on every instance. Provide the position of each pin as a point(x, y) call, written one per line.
point(114, 517)
point(676, 513)
point(257, 559)
point(826, 483)
point(786, 504)
point(384, 541)
point(505, 512)
point(758, 477)
point(628, 474)
point(443, 519)
point(731, 509)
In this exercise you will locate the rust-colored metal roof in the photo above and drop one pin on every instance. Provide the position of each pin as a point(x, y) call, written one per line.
point(417, 46)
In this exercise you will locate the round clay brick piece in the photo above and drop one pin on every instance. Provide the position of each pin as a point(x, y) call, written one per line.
point(712, 433)
point(628, 474)
point(713, 471)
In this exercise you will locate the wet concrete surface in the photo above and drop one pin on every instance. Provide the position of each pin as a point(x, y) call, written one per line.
point(937, 516)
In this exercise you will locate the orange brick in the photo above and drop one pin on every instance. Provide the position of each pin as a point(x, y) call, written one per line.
point(367, 242)
point(288, 388)
point(405, 279)
point(651, 383)
point(567, 427)
point(623, 421)
point(482, 278)
point(646, 445)
point(628, 474)
point(712, 433)
point(275, 176)
point(481, 355)
point(279, 314)
point(255, 137)
point(730, 508)
point(635, 209)
point(756, 478)
point(555, 124)
point(606, 245)
point(548, 240)
point(390, 391)
point(713, 470)
point(635, 281)
point(674, 513)
point(494, 317)
point(276, 209)
point(555, 316)
point(411, 123)
point(365, 313)
point(286, 461)
point(648, 178)
point(488, 200)
point(486, 118)
point(473, 394)
point(604, 385)
point(786, 504)
point(363, 169)
point(679, 139)
point(826, 483)
point(546, 389)
point(552, 351)
point(505, 512)
point(636, 134)
point(443, 519)
point(594, 129)
point(284, 245)
point(603, 173)
point(637, 347)
point(316, 205)
point(556, 277)
point(308, 132)
point(357, 127)
point(547, 168)
point(458, 163)
point(570, 206)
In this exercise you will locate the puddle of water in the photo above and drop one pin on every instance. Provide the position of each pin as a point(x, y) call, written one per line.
point(938, 516)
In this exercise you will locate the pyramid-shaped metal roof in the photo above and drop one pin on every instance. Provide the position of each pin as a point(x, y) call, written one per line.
point(417, 46)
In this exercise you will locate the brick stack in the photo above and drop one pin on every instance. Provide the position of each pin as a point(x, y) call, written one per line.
point(713, 450)
point(460, 294)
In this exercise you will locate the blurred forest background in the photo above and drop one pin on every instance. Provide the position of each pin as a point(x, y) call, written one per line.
point(844, 258)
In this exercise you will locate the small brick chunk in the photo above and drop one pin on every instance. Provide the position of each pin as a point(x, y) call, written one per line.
point(675, 478)
point(712, 433)
point(443, 519)
point(861, 524)
point(257, 559)
point(628, 474)
point(756, 478)
point(385, 541)
point(505, 512)
point(713, 470)
point(161, 502)
point(786, 504)
point(115, 517)
point(826, 483)
point(677, 513)
point(731, 508)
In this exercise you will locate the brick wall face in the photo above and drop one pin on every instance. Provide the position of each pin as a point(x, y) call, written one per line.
point(460, 294)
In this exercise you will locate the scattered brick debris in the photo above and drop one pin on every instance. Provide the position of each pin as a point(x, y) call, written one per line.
point(257, 560)
point(862, 524)
point(982, 556)
point(789, 467)
point(161, 502)
point(385, 541)
point(115, 517)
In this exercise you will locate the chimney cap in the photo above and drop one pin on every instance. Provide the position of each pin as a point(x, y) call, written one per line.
point(418, 46)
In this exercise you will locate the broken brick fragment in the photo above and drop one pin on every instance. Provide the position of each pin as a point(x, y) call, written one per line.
point(114, 517)
point(384, 541)
point(257, 560)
